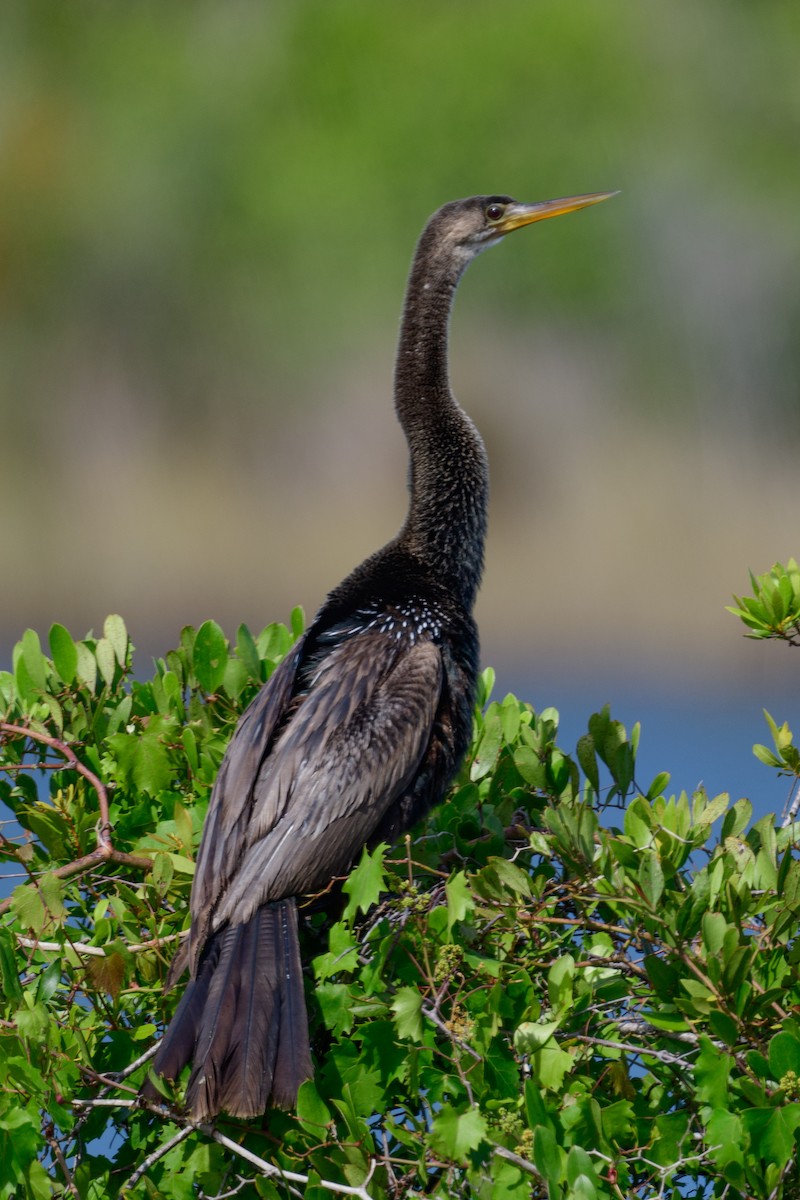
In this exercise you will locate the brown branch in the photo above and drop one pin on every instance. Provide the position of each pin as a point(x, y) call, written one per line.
point(63, 748)
point(58, 1154)
point(105, 851)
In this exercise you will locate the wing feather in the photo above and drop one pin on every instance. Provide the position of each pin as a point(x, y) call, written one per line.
point(225, 831)
point(351, 748)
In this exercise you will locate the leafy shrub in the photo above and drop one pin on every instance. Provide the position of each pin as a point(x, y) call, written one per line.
point(565, 983)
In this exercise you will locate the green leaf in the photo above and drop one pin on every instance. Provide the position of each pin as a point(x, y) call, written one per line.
point(365, 884)
point(27, 906)
point(460, 901)
point(532, 1035)
point(312, 1111)
point(551, 1066)
point(486, 681)
point(144, 760)
point(707, 813)
point(297, 622)
point(235, 678)
point(651, 877)
point(456, 1133)
point(106, 659)
point(587, 759)
point(489, 744)
point(580, 1172)
point(210, 656)
point(116, 635)
point(32, 1019)
point(501, 876)
point(407, 1009)
point(87, 666)
point(772, 1132)
point(784, 1053)
point(714, 928)
point(34, 659)
point(30, 666)
point(9, 978)
point(724, 1027)
point(162, 873)
point(659, 785)
point(560, 980)
point(144, 1032)
point(49, 981)
point(712, 1072)
point(547, 1157)
point(737, 819)
point(724, 1136)
point(64, 652)
point(248, 652)
point(764, 755)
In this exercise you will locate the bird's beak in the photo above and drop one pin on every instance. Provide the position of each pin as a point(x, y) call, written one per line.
point(517, 215)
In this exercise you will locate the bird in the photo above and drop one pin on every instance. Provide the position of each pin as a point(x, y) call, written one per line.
point(360, 729)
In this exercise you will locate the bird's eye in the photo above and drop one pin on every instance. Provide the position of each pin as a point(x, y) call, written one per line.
point(495, 211)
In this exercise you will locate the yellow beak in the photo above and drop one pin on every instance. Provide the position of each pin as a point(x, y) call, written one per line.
point(517, 215)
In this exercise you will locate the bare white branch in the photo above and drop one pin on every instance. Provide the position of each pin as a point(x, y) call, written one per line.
point(153, 1158)
point(341, 1189)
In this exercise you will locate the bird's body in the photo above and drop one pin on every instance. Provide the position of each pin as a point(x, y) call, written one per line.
point(361, 728)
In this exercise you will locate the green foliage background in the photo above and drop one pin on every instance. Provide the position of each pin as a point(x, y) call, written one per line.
point(567, 983)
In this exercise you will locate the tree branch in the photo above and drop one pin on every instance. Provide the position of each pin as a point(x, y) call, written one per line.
point(153, 1158)
point(105, 851)
point(63, 748)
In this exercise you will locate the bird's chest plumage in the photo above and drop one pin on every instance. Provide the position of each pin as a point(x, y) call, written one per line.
point(407, 621)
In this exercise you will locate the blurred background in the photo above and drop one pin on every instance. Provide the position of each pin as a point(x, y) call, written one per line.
point(207, 214)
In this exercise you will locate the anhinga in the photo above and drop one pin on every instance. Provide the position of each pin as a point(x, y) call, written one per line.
point(360, 729)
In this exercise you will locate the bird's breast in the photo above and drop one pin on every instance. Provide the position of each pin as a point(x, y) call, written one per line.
point(405, 621)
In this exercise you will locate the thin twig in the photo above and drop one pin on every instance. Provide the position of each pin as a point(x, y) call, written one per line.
point(523, 1163)
point(95, 859)
point(105, 851)
point(790, 812)
point(777, 1190)
point(272, 1171)
point(63, 748)
point(58, 1154)
point(662, 1055)
point(433, 1016)
point(153, 1158)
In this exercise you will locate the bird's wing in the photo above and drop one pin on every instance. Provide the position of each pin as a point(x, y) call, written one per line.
point(232, 795)
point(351, 748)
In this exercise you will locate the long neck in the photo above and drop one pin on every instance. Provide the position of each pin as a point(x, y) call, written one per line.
point(449, 479)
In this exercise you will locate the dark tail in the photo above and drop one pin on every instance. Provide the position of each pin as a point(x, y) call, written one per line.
point(242, 1022)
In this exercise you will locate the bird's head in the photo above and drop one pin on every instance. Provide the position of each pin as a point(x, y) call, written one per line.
point(462, 228)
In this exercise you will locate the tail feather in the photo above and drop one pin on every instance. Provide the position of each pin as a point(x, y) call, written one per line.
point(242, 1022)
point(256, 1029)
point(212, 1039)
point(293, 1061)
point(178, 1043)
